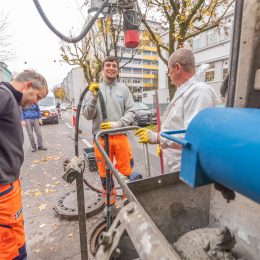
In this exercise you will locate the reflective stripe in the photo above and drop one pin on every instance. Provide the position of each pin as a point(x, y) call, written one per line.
point(5, 226)
point(7, 191)
point(22, 253)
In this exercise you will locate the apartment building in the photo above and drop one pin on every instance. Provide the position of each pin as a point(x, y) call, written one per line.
point(139, 67)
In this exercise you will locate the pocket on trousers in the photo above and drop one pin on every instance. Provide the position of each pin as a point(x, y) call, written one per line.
point(8, 246)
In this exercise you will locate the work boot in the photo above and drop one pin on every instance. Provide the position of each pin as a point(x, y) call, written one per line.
point(34, 149)
point(41, 148)
point(114, 211)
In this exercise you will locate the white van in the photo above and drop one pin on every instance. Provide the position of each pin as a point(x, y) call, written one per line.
point(48, 109)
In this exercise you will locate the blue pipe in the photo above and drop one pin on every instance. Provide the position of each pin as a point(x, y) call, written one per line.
point(222, 145)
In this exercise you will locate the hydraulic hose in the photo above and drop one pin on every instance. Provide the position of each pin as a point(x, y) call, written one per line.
point(84, 31)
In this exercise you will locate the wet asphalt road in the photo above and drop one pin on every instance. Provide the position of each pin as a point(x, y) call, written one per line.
point(50, 236)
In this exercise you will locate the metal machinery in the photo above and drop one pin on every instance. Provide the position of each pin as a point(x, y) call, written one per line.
point(219, 182)
point(218, 187)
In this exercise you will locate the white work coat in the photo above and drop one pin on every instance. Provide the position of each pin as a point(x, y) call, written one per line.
point(189, 99)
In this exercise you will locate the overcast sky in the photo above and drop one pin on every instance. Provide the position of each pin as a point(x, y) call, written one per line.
point(32, 40)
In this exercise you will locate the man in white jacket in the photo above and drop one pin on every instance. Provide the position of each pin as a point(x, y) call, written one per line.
point(190, 98)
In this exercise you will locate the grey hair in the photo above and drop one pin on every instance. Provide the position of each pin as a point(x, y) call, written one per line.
point(184, 57)
point(38, 81)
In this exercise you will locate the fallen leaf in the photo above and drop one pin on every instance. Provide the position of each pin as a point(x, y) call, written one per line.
point(70, 235)
point(57, 182)
point(37, 193)
point(42, 206)
point(48, 185)
point(37, 250)
point(42, 225)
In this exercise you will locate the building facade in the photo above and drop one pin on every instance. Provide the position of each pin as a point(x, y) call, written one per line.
point(140, 67)
point(5, 73)
point(73, 85)
point(211, 47)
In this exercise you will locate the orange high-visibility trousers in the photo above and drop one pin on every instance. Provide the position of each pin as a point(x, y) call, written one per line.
point(120, 150)
point(12, 238)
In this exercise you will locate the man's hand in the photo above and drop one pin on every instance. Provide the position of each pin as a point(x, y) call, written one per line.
point(40, 121)
point(146, 136)
point(110, 125)
point(93, 87)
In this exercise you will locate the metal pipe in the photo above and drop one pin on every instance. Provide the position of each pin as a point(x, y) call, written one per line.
point(80, 188)
point(146, 160)
point(169, 135)
point(158, 114)
point(122, 180)
point(108, 184)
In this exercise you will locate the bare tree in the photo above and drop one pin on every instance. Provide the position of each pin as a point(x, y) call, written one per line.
point(102, 41)
point(6, 53)
point(185, 19)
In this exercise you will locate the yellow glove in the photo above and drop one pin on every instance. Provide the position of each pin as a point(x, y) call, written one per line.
point(40, 121)
point(146, 136)
point(110, 125)
point(158, 150)
point(93, 87)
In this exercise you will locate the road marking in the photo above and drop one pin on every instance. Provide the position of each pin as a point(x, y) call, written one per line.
point(68, 125)
point(86, 143)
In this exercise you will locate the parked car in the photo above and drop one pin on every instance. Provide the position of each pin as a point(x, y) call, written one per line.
point(68, 106)
point(63, 106)
point(48, 109)
point(144, 115)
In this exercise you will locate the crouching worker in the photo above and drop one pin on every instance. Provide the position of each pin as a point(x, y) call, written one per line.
point(120, 112)
point(190, 98)
point(26, 89)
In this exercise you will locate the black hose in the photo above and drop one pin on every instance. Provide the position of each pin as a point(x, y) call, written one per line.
point(84, 31)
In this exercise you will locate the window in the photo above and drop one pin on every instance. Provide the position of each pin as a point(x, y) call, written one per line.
point(147, 71)
point(137, 71)
point(126, 70)
point(212, 37)
point(144, 95)
point(147, 80)
point(124, 60)
point(126, 80)
point(147, 62)
point(137, 81)
point(227, 29)
point(210, 76)
point(147, 52)
point(198, 42)
point(155, 62)
point(135, 61)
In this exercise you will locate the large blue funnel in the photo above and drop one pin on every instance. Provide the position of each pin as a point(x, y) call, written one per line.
point(222, 145)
